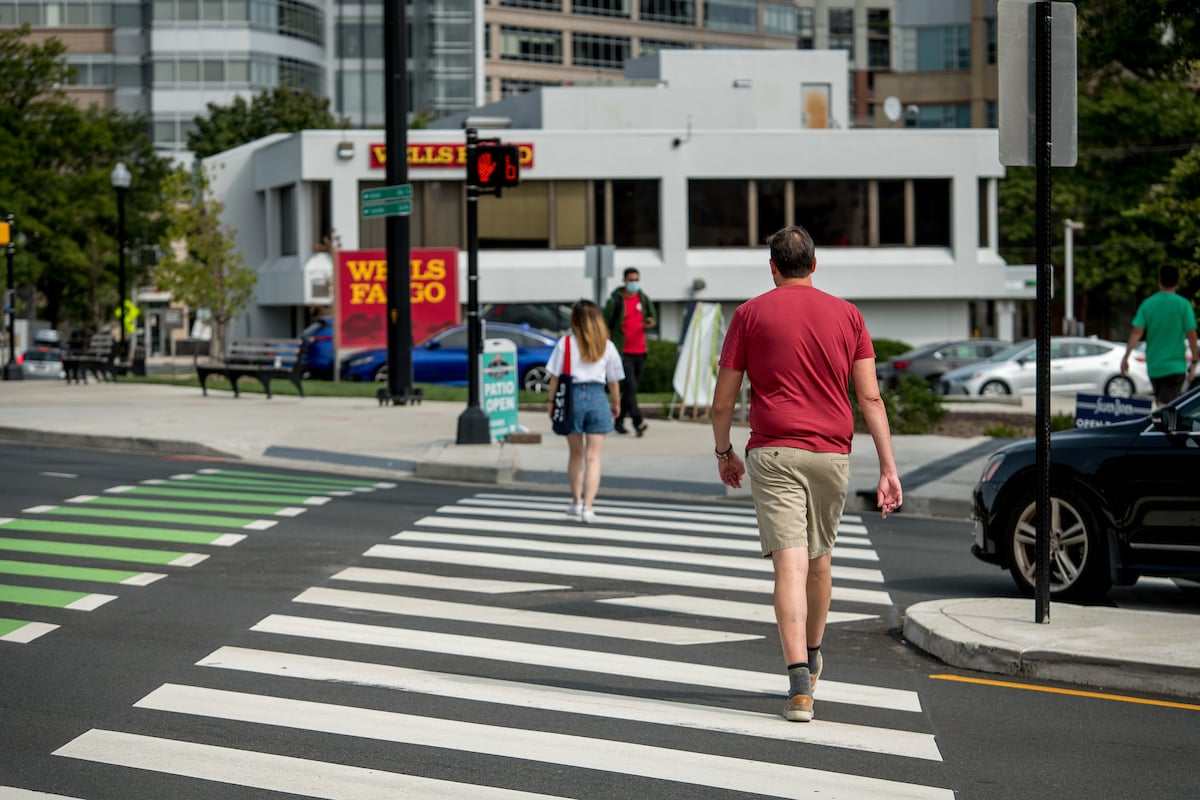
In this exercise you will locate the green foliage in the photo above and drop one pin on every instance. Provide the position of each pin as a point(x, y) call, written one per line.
point(210, 274)
point(886, 348)
point(278, 110)
point(912, 407)
point(659, 372)
point(1062, 422)
point(1001, 431)
point(54, 177)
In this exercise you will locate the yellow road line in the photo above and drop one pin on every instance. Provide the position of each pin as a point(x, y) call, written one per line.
point(1073, 692)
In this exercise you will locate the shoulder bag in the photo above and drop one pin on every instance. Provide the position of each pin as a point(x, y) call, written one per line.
point(560, 414)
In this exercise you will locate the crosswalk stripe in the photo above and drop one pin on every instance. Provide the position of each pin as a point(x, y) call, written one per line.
point(395, 577)
point(19, 631)
point(199, 494)
point(53, 598)
point(207, 520)
point(134, 555)
point(748, 564)
point(580, 660)
point(723, 609)
point(67, 572)
point(186, 505)
point(722, 772)
point(517, 618)
point(319, 480)
point(738, 544)
point(608, 571)
point(890, 741)
point(555, 510)
point(298, 776)
point(123, 532)
point(602, 520)
point(730, 510)
point(13, 793)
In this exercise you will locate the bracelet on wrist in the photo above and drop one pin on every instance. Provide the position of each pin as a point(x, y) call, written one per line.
point(724, 454)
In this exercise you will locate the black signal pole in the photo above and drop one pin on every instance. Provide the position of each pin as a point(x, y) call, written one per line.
point(1045, 280)
point(473, 426)
point(400, 389)
point(12, 370)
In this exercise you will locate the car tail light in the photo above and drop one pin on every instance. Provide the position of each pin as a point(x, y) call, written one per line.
point(21, 358)
point(902, 364)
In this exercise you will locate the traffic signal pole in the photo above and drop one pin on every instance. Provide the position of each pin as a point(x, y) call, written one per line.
point(473, 423)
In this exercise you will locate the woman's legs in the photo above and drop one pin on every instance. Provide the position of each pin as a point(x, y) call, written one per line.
point(575, 467)
point(593, 449)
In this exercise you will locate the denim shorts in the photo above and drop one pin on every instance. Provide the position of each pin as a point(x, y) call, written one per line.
point(590, 409)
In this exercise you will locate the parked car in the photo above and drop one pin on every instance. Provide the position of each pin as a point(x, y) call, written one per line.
point(443, 357)
point(1077, 364)
point(42, 361)
point(318, 348)
point(933, 360)
point(1123, 503)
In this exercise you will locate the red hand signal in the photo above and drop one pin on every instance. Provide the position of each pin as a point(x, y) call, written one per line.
point(486, 167)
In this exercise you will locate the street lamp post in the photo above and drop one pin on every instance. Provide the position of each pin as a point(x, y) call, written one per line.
point(1069, 228)
point(121, 179)
point(12, 370)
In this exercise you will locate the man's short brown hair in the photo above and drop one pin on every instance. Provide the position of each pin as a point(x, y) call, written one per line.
point(793, 251)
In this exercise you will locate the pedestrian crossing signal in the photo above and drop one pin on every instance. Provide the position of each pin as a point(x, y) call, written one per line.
point(494, 166)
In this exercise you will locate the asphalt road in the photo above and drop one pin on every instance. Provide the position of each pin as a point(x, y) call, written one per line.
point(448, 641)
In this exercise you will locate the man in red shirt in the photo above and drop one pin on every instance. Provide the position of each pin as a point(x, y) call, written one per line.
point(800, 348)
point(629, 314)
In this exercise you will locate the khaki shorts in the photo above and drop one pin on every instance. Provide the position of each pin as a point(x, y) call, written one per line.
point(798, 496)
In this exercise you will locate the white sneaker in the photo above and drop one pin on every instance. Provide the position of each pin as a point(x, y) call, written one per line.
point(574, 509)
point(588, 516)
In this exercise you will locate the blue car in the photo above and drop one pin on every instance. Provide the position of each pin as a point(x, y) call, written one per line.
point(318, 348)
point(443, 357)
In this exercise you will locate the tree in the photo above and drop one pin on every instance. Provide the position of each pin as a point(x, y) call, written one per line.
point(54, 177)
point(278, 110)
point(202, 268)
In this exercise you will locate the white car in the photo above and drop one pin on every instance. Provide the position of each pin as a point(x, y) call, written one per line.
point(1077, 364)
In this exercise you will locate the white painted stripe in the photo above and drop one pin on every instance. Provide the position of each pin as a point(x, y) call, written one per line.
point(261, 525)
point(892, 741)
point(59, 474)
point(298, 776)
point(614, 572)
point(290, 511)
point(753, 563)
point(11, 793)
point(731, 510)
point(395, 577)
point(386, 485)
point(602, 520)
point(722, 609)
point(594, 661)
point(5, 520)
point(317, 501)
point(143, 579)
point(155, 481)
point(81, 498)
point(38, 509)
point(517, 618)
point(28, 632)
point(555, 511)
point(339, 493)
point(119, 489)
point(852, 518)
point(90, 602)
point(187, 476)
point(848, 527)
point(188, 560)
point(627, 758)
point(228, 539)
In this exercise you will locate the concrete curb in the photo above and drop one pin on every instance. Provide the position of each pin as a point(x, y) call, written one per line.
point(468, 463)
point(129, 444)
point(995, 636)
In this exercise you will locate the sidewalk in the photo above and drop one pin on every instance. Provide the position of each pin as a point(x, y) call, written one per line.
point(1118, 650)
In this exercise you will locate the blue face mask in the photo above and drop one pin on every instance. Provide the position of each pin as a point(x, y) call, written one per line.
point(632, 286)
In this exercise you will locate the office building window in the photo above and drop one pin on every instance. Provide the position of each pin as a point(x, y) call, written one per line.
point(739, 16)
point(990, 28)
point(521, 221)
point(718, 213)
point(779, 19)
point(771, 197)
point(635, 213)
point(601, 8)
point(943, 48)
point(287, 220)
point(527, 44)
point(879, 38)
point(537, 5)
point(805, 31)
point(955, 115)
point(933, 212)
point(357, 39)
point(606, 52)
point(841, 30)
point(833, 211)
point(512, 86)
point(891, 207)
point(649, 46)
point(671, 12)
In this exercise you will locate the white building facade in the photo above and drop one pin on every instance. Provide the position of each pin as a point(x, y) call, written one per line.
point(685, 171)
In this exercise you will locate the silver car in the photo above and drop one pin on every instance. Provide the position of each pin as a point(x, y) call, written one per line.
point(42, 362)
point(1077, 364)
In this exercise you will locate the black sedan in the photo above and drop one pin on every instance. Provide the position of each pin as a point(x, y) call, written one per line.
point(1125, 502)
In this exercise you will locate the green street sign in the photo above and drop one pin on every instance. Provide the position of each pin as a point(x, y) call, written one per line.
point(401, 192)
point(400, 208)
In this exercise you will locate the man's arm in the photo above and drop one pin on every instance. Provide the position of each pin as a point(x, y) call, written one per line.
point(648, 318)
point(725, 395)
point(1135, 336)
point(1194, 343)
point(888, 495)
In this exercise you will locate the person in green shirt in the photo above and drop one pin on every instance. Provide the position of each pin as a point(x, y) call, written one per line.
point(1165, 319)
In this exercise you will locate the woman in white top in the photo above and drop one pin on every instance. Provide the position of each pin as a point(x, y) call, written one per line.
point(595, 364)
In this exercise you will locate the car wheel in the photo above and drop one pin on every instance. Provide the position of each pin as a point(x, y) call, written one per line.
point(1078, 556)
point(995, 389)
point(380, 375)
point(536, 379)
point(1119, 386)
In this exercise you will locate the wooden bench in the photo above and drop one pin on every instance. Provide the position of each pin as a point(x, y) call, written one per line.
point(263, 359)
point(99, 358)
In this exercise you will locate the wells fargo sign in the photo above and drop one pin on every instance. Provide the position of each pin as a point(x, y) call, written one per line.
point(440, 155)
point(362, 295)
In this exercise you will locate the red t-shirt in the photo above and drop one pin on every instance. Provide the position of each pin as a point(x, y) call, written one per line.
point(797, 345)
point(633, 325)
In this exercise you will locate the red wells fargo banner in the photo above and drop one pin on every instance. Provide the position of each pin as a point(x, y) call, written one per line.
point(450, 154)
point(362, 295)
